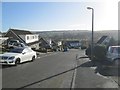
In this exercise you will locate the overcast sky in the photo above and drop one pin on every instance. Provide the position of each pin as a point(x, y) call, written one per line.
point(59, 15)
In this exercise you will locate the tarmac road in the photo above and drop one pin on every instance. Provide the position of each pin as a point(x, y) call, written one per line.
point(56, 70)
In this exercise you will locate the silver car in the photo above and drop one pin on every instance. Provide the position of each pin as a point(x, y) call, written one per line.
point(113, 54)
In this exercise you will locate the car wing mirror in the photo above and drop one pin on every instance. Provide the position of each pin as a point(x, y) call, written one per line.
point(23, 53)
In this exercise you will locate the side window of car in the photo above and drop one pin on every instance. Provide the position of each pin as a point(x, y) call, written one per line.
point(109, 50)
point(115, 50)
point(15, 44)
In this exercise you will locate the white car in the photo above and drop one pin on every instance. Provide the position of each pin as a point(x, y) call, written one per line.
point(17, 56)
point(113, 54)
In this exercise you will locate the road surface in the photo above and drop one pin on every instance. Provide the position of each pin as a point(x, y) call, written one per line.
point(56, 70)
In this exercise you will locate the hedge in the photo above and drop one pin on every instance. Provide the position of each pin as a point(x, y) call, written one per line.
point(100, 52)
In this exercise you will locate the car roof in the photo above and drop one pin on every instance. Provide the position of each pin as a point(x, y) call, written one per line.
point(114, 46)
point(21, 48)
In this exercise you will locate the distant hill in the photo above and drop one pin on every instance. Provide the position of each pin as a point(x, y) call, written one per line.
point(77, 34)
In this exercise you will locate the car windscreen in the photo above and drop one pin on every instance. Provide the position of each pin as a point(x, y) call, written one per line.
point(13, 41)
point(16, 50)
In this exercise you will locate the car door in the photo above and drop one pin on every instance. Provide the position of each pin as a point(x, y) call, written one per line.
point(109, 53)
point(115, 53)
point(25, 55)
point(31, 54)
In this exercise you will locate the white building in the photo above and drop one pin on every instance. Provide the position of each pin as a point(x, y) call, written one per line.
point(26, 37)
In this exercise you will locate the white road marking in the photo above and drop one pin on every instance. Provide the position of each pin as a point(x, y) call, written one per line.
point(74, 74)
point(74, 77)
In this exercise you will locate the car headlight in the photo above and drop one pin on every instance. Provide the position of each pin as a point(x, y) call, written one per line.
point(10, 58)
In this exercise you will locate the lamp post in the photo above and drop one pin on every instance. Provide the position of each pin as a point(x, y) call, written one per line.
point(92, 44)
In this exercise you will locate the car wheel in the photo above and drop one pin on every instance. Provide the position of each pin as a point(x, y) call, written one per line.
point(33, 58)
point(17, 61)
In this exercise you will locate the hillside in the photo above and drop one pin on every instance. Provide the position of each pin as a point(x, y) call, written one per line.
point(77, 34)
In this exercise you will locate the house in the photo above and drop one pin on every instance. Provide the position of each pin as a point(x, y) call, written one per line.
point(26, 37)
point(43, 44)
point(2, 39)
point(73, 44)
point(60, 45)
point(54, 45)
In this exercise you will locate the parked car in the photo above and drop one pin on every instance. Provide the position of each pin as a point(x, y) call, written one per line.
point(17, 56)
point(65, 49)
point(13, 43)
point(113, 54)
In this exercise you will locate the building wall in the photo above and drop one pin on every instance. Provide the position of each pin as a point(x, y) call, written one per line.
point(2, 39)
point(36, 46)
point(59, 43)
point(29, 38)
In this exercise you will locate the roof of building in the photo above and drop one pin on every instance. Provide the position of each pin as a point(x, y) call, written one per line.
point(43, 40)
point(20, 32)
point(54, 42)
point(101, 39)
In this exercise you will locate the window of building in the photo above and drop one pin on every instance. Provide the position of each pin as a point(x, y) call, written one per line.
point(33, 37)
point(36, 36)
point(27, 37)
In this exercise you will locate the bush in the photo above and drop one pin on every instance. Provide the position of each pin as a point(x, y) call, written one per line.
point(100, 52)
point(88, 51)
point(83, 47)
point(43, 50)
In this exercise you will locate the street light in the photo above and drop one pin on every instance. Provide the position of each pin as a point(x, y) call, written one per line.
point(92, 31)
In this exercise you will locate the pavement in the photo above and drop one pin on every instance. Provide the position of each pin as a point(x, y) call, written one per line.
point(70, 69)
point(92, 79)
